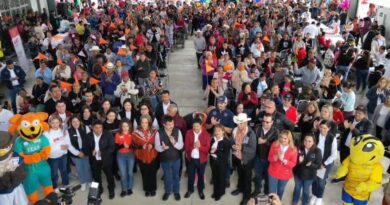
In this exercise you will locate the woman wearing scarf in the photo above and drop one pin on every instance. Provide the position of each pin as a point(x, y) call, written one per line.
point(143, 139)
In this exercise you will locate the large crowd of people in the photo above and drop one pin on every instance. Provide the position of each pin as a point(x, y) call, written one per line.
point(281, 96)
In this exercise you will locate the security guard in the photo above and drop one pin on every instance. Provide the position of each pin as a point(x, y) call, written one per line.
point(221, 115)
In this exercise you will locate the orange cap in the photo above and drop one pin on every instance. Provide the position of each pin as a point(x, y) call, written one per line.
point(40, 56)
point(65, 85)
point(102, 41)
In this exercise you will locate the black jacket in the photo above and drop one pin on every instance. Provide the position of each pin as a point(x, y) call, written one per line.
point(5, 76)
point(50, 105)
point(73, 139)
point(280, 121)
point(305, 172)
point(262, 150)
point(363, 127)
point(159, 113)
point(222, 152)
point(106, 146)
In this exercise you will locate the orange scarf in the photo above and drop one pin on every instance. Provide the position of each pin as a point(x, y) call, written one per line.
point(142, 138)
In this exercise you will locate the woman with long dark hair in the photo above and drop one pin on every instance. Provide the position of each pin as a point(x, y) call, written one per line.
point(309, 160)
point(77, 148)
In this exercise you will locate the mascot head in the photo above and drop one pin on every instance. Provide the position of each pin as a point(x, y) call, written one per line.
point(366, 149)
point(30, 126)
point(6, 145)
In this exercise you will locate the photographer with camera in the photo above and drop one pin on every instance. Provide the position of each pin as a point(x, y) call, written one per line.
point(273, 199)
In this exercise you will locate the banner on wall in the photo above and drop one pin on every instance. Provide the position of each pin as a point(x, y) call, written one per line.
point(19, 49)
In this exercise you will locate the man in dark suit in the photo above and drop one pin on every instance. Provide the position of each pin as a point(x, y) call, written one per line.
point(355, 126)
point(162, 107)
point(266, 134)
point(13, 77)
point(101, 146)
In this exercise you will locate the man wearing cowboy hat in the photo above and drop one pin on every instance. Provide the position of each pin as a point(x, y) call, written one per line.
point(200, 45)
point(244, 150)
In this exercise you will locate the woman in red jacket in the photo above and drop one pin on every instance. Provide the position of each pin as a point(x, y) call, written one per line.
point(282, 159)
point(248, 98)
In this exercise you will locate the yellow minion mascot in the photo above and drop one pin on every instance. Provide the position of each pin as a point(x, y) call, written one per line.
point(34, 148)
point(362, 169)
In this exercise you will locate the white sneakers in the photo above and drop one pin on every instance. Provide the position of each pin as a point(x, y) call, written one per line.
point(315, 201)
point(83, 187)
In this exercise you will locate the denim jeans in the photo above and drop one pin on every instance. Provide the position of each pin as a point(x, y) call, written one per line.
point(60, 164)
point(153, 101)
point(195, 167)
point(343, 70)
point(276, 186)
point(261, 173)
point(13, 93)
point(83, 169)
point(302, 184)
point(126, 165)
point(319, 184)
point(206, 80)
point(361, 79)
point(171, 176)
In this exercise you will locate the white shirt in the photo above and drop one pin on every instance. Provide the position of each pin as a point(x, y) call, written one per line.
point(13, 75)
point(57, 138)
point(5, 115)
point(165, 107)
point(349, 138)
point(321, 146)
point(72, 149)
point(178, 145)
point(312, 29)
point(195, 151)
point(214, 146)
point(97, 148)
point(128, 115)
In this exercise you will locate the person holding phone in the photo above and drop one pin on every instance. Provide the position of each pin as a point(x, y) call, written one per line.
point(309, 161)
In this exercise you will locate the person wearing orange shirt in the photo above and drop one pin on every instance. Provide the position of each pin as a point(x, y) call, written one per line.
point(125, 156)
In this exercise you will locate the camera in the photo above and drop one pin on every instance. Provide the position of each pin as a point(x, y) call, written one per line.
point(94, 194)
point(65, 197)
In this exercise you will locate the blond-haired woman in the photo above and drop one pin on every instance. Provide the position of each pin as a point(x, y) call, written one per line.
point(306, 121)
point(377, 95)
point(240, 76)
point(59, 143)
point(282, 159)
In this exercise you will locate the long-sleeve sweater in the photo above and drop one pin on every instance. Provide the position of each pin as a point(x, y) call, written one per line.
point(348, 100)
point(200, 44)
point(56, 139)
point(109, 87)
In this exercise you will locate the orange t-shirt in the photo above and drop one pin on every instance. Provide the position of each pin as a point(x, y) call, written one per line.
point(122, 139)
